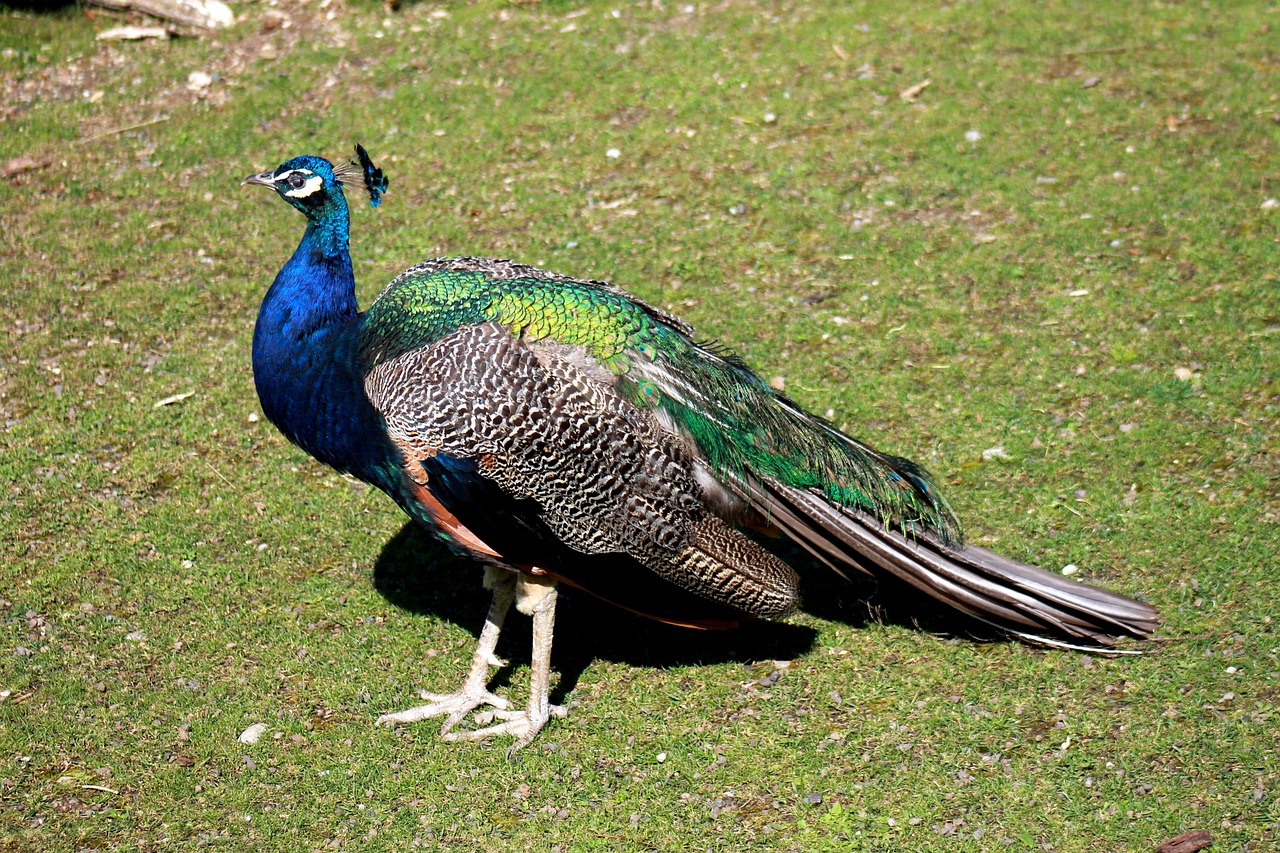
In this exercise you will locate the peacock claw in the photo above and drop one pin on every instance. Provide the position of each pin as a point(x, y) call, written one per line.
point(524, 725)
point(452, 706)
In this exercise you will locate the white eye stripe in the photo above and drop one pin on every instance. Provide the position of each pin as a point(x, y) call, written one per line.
point(313, 184)
point(285, 175)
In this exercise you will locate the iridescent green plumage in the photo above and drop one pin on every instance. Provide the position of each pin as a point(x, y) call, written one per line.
point(740, 425)
point(424, 304)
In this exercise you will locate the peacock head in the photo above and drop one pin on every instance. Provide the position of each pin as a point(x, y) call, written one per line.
point(313, 185)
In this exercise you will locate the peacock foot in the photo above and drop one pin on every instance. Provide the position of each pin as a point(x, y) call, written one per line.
point(537, 597)
point(523, 725)
point(452, 706)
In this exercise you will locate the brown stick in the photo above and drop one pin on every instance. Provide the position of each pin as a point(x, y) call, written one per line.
point(1187, 842)
point(188, 13)
point(125, 129)
point(1120, 48)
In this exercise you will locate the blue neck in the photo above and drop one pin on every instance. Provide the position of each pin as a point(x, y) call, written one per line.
point(305, 355)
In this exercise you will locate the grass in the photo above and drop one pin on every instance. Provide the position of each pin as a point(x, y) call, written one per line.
point(1060, 248)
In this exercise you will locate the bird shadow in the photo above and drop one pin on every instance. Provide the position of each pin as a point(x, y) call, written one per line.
point(419, 575)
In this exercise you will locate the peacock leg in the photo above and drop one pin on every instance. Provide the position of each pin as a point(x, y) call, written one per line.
point(536, 596)
point(475, 689)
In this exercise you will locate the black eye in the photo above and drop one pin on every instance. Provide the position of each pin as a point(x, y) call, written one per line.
point(296, 181)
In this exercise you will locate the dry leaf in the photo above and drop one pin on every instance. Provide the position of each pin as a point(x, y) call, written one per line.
point(913, 93)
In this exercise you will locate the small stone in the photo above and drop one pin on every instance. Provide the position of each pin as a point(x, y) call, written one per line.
point(613, 153)
point(1270, 204)
point(1070, 569)
point(997, 452)
point(274, 19)
point(972, 135)
point(778, 383)
point(252, 734)
point(1183, 374)
point(199, 80)
point(813, 798)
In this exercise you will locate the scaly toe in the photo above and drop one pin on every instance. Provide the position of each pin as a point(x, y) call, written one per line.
point(453, 706)
point(519, 724)
point(553, 711)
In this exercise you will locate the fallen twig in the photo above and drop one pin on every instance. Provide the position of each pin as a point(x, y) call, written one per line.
point(18, 165)
point(125, 129)
point(102, 788)
point(175, 398)
point(912, 93)
point(132, 33)
point(205, 14)
point(1187, 842)
point(1120, 48)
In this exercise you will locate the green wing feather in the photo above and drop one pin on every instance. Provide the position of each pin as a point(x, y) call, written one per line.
point(744, 427)
point(740, 426)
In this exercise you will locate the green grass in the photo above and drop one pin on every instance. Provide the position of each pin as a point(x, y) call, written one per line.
point(169, 576)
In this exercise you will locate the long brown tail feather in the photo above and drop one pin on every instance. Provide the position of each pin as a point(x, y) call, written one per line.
point(1034, 605)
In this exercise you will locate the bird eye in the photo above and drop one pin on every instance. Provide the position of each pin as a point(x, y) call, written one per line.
point(296, 181)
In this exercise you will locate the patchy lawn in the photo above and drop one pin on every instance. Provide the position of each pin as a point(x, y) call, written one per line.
point(1034, 248)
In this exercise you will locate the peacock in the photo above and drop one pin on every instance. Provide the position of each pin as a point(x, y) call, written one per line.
point(561, 431)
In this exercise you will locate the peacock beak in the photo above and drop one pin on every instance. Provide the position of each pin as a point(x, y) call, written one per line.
point(262, 179)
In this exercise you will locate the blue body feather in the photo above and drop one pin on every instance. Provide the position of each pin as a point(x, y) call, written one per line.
point(305, 353)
